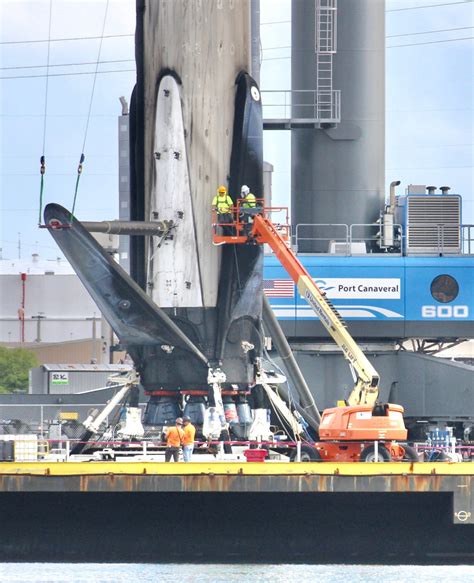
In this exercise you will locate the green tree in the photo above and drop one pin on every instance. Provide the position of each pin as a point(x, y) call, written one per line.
point(15, 364)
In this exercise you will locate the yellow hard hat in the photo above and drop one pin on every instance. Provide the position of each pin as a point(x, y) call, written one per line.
point(222, 189)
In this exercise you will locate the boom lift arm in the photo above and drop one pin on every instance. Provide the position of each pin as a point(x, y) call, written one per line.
point(363, 420)
point(365, 391)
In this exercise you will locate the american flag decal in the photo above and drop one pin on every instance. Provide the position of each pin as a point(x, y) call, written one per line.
point(279, 288)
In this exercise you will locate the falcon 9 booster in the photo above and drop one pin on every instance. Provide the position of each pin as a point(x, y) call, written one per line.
point(196, 123)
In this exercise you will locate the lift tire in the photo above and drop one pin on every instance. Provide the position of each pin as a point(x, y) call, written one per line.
point(308, 454)
point(438, 456)
point(368, 454)
point(410, 454)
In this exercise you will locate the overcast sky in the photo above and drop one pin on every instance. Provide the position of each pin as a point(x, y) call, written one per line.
point(429, 103)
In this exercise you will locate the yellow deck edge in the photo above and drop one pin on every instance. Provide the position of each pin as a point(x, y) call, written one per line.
point(234, 468)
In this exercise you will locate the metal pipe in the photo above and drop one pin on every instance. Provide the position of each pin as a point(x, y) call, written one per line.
point(93, 423)
point(38, 319)
point(157, 228)
point(284, 350)
point(23, 303)
point(392, 195)
point(310, 420)
point(124, 103)
point(431, 189)
point(445, 189)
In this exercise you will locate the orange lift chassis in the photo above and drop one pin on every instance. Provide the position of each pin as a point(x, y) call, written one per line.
point(344, 430)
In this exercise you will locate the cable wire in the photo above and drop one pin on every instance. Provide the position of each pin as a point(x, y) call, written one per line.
point(428, 6)
point(270, 59)
point(70, 74)
point(57, 40)
point(276, 48)
point(47, 75)
point(66, 64)
point(239, 283)
point(428, 31)
point(82, 158)
point(23, 115)
point(42, 158)
point(432, 42)
point(134, 70)
point(95, 75)
point(276, 22)
point(428, 167)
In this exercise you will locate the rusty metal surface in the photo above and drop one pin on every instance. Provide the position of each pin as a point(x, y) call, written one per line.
point(459, 486)
point(239, 483)
point(244, 478)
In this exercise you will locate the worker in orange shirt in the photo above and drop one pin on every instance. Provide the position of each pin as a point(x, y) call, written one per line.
point(174, 440)
point(188, 439)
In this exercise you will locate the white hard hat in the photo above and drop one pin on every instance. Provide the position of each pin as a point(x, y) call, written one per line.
point(245, 189)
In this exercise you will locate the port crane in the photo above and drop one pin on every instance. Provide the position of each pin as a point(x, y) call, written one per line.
point(352, 430)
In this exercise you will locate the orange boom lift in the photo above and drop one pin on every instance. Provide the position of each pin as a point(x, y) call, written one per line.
point(360, 428)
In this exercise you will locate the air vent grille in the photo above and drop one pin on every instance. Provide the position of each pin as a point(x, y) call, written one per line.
point(433, 224)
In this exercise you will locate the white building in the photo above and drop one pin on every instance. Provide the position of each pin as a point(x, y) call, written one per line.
point(43, 301)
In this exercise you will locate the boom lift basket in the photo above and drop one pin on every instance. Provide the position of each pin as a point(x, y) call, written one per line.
point(236, 226)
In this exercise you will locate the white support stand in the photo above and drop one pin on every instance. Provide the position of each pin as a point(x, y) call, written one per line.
point(214, 417)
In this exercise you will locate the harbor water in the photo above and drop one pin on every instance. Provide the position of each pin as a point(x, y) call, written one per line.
point(229, 573)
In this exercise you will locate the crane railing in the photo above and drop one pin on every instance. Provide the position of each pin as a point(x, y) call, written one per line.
point(363, 238)
point(302, 105)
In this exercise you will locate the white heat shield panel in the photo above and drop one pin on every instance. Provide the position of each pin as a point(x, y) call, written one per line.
point(433, 224)
point(173, 264)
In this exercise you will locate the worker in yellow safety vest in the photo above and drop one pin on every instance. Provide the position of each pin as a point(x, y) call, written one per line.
point(222, 204)
point(248, 200)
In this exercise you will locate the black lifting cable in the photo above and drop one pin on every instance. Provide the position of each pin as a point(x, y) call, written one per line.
point(82, 158)
point(43, 159)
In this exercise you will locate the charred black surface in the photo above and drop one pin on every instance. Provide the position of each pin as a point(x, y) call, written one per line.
point(137, 154)
point(246, 163)
point(240, 296)
point(143, 328)
point(237, 528)
point(174, 370)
